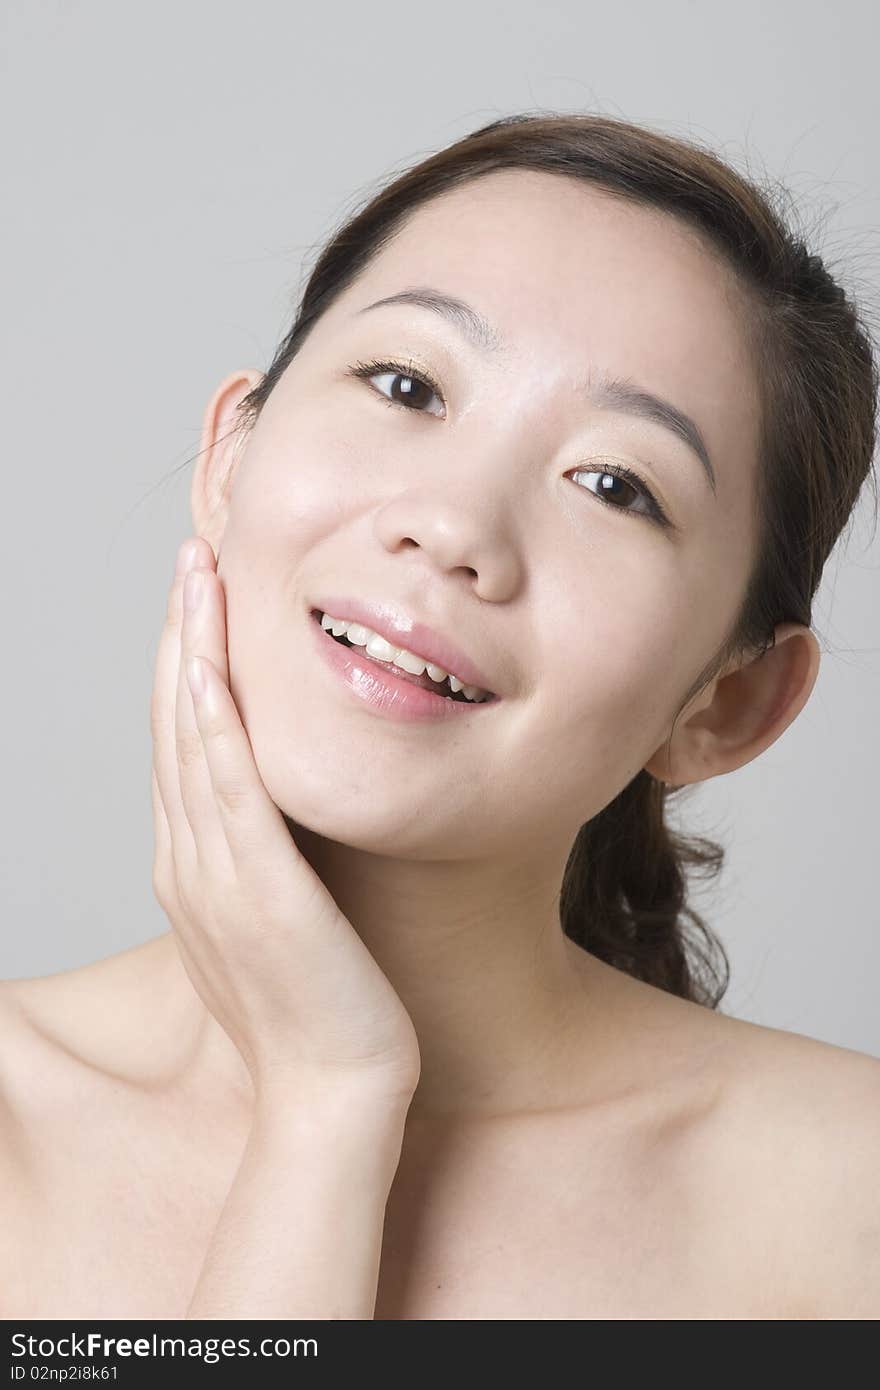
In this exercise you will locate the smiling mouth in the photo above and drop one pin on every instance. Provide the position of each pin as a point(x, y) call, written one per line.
point(423, 681)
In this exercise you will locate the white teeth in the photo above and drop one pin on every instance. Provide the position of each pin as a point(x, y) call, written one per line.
point(416, 665)
point(378, 647)
point(382, 650)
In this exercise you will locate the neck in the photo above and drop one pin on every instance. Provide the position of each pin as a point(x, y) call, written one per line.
point(498, 995)
point(511, 1015)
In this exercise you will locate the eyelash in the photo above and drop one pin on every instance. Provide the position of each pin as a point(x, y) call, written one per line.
point(364, 370)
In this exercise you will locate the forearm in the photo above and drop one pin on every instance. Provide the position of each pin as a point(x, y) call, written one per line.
point(300, 1233)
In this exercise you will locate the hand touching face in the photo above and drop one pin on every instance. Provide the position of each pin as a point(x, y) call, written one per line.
point(264, 943)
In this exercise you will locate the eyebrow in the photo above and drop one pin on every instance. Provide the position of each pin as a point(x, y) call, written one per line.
point(606, 391)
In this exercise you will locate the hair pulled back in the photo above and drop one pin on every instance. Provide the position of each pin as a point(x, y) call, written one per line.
point(625, 886)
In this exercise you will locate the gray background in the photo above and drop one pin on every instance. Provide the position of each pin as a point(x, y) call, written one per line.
point(170, 171)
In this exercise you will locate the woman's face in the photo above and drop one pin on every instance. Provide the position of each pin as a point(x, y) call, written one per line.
point(473, 512)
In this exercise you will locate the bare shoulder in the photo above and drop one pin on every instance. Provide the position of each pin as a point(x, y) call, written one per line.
point(109, 1018)
point(795, 1143)
point(93, 1043)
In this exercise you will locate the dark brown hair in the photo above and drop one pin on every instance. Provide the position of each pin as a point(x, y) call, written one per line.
point(624, 890)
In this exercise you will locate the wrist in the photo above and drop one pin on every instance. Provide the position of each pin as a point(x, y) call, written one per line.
point(347, 1137)
point(363, 1089)
point(314, 1103)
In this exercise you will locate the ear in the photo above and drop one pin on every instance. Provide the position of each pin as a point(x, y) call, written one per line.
point(742, 712)
point(218, 457)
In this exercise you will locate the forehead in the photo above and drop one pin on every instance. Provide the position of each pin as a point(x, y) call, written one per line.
point(578, 281)
point(560, 250)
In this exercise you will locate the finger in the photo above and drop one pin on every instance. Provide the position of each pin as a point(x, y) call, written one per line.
point(203, 633)
point(164, 881)
point(253, 826)
point(210, 617)
point(164, 859)
point(162, 719)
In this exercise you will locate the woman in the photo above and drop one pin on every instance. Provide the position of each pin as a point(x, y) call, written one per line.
point(567, 413)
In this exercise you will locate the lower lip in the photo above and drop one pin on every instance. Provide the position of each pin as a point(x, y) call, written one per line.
point(384, 693)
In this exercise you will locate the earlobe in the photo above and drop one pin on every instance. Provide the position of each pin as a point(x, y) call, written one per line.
point(743, 712)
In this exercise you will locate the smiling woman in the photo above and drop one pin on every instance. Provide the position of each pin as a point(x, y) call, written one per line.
point(568, 419)
point(804, 363)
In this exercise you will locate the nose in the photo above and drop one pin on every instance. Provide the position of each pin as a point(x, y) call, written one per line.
point(453, 536)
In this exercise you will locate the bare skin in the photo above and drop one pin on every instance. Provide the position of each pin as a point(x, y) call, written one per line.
point(578, 1144)
point(731, 1179)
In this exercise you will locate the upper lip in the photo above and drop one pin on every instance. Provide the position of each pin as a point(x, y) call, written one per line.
point(402, 630)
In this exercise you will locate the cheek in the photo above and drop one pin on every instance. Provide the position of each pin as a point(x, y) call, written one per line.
point(301, 472)
point(603, 706)
point(279, 508)
point(619, 645)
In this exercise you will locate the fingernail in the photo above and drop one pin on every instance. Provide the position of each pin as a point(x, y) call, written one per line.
point(185, 556)
point(193, 588)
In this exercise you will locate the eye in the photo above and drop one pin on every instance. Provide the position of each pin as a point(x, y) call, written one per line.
point(404, 371)
point(652, 509)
